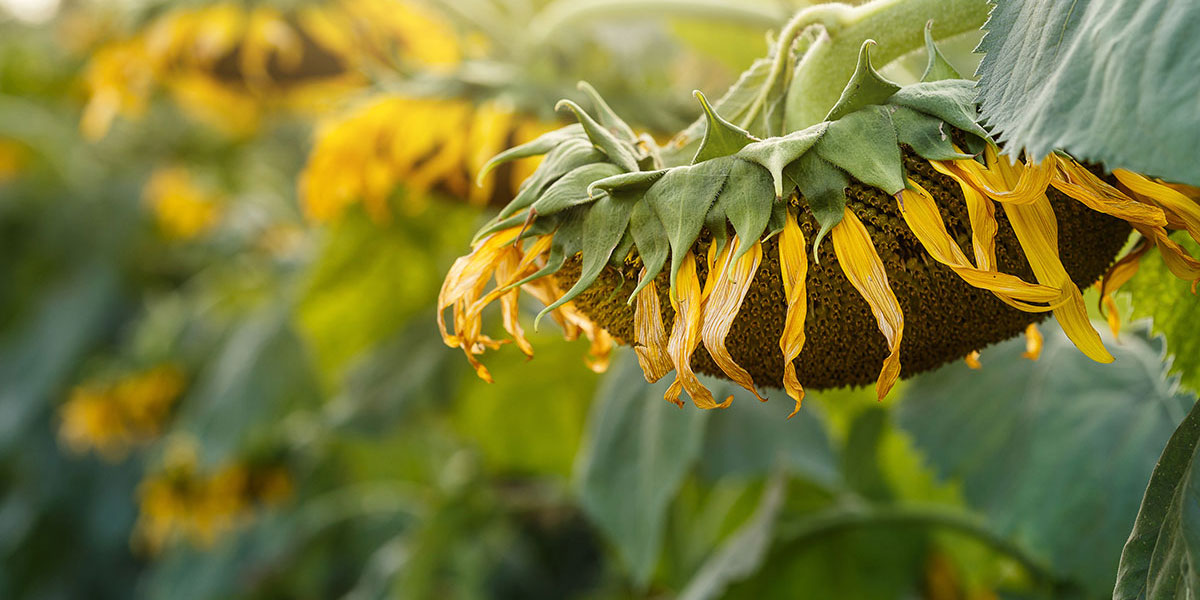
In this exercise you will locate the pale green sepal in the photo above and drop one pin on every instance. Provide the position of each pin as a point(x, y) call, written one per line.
point(717, 224)
point(866, 87)
point(563, 159)
point(776, 153)
point(498, 224)
point(734, 104)
point(951, 100)
point(567, 242)
point(606, 115)
point(823, 186)
point(622, 252)
point(626, 182)
point(572, 189)
point(777, 221)
point(721, 138)
point(650, 237)
point(863, 143)
point(938, 68)
point(619, 153)
point(928, 136)
point(681, 200)
point(747, 199)
point(543, 144)
point(603, 228)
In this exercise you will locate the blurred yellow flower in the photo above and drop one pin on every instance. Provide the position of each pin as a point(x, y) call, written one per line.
point(422, 143)
point(227, 64)
point(179, 502)
point(112, 418)
point(181, 206)
point(12, 159)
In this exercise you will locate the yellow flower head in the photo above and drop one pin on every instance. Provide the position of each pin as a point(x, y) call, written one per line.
point(112, 418)
point(888, 240)
point(182, 207)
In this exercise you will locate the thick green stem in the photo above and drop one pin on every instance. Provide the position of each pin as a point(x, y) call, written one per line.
point(561, 15)
point(897, 26)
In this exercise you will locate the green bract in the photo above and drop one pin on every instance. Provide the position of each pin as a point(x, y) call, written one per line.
point(603, 193)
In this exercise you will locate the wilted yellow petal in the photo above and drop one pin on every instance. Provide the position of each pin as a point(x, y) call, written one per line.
point(650, 335)
point(972, 360)
point(1082, 185)
point(1002, 180)
point(863, 267)
point(730, 281)
point(1033, 342)
point(793, 266)
point(921, 214)
point(685, 335)
point(1184, 209)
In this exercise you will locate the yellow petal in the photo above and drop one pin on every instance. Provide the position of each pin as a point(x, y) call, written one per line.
point(793, 266)
point(650, 335)
point(467, 276)
point(1037, 231)
point(1171, 200)
point(921, 214)
point(1033, 342)
point(863, 267)
point(1002, 180)
point(972, 360)
point(685, 335)
point(730, 281)
point(1112, 315)
point(1082, 185)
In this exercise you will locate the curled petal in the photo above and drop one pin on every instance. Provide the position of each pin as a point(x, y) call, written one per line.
point(1082, 185)
point(729, 282)
point(921, 214)
point(1176, 204)
point(972, 361)
point(863, 267)
point(1033, 342)
point(997, 179)
point(650, 335)
point(793, 266)
point(685, 335)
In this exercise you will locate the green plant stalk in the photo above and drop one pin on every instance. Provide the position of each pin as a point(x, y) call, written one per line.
point(896, 25)
point(561, 15)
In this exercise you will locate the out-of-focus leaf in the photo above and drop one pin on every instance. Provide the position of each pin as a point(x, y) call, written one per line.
point(752, 438)
point(1110, 81)
point(1159, 560)
point(861, 463)
point(1174, 311)
point(1055, 452)
point(742, 554)
point(638, 451)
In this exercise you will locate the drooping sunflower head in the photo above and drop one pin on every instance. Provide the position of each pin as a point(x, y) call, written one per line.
point(887, 240)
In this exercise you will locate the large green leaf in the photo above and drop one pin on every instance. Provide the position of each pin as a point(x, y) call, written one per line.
point(1057, 452)
point(1168, 301)
point(1110, 81)
point(640, 447)
point(1160, 558)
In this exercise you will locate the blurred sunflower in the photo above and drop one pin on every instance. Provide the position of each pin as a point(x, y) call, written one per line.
point(227, 64)
point(181, 502)
point(183, 208)
point(112, 418)
point(936, 247)
point(12, 159)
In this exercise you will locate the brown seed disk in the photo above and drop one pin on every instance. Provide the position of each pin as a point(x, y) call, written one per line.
point(944, 317)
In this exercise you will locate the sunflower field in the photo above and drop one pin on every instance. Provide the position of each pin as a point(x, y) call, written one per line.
point(592, 299)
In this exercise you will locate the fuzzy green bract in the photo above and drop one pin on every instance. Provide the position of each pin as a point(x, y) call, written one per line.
point(604, 196)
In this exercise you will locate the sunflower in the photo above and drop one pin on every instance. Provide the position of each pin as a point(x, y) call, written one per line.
point(887, 240)
point(227, 63)
point(424, 143)
point(182, 206)
point(112, 418)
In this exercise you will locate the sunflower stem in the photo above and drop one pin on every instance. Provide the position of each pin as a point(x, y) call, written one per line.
point(896, 25)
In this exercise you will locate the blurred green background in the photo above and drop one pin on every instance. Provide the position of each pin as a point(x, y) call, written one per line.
point(220, 375)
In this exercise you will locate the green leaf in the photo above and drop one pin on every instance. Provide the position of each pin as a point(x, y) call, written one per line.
point(1055, 452)
point(721, 138)
point(926, 135)
point(1108, 81)
point(572, 189)
point(938, 67)
point(746, 200)
point(1168, 301)
point(626, 182)
point(681, 200)
point(866, 87)
point(824, 189)
point(618, 152)
point(1159, 561)
point(639, 449)
point(606, 116)
point(864, 144)
point(603, 228)
point(861, 463)
point(743, 553)
point(951, 100)
point(650, 237)
point(775, 154)
point(563, 159)
point(543, 144)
